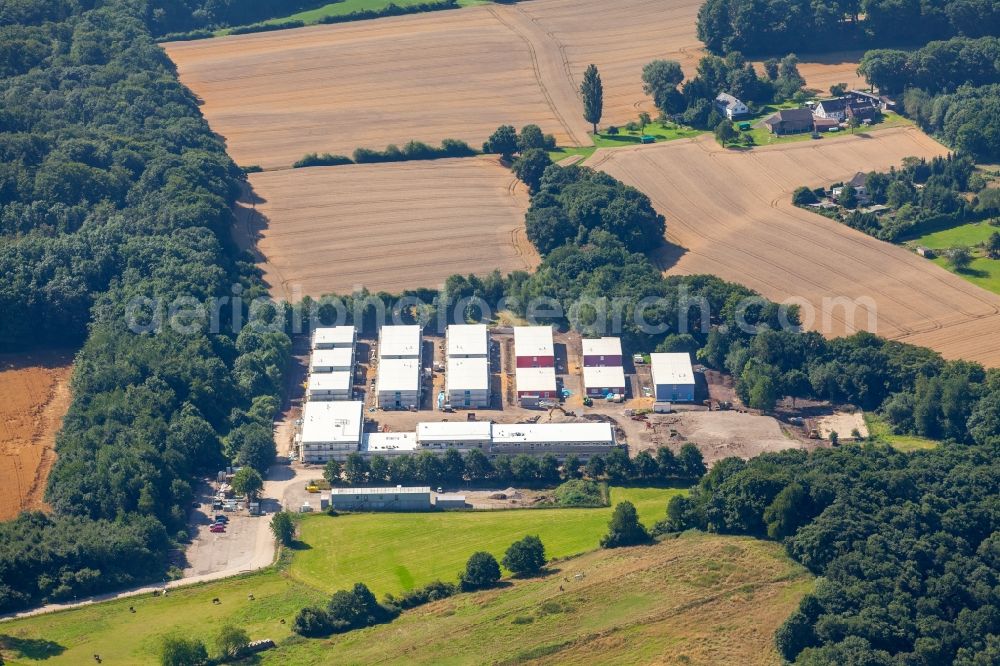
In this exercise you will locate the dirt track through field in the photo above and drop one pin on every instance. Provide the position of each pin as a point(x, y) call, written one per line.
point(34, 397)
point(276, 96)
point(731, 212)
point(387, 227)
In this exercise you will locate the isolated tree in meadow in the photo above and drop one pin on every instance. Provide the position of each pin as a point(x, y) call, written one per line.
point(481, 572)
point(503, 141)
point(231, 642)
point(644, 120)
point(624, 529)
point(593, 96)
point(180, 651)
point(525, 557)
point(959, 258)
point(660, 79)
point(247, 481)
point(283, 528)
point(725, 132)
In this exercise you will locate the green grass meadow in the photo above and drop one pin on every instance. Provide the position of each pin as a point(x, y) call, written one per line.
point(388, 552)
point(880, 431)
point(312, 16)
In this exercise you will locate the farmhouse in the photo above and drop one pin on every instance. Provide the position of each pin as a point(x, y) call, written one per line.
point(559, 439)
point(835, 108)
point(462, 435)
point(533, 347)
point(730, 106)
point(398, 385)
point(388, 443)
point(399, 342)
point(332, 359)
point(602, 352)
point(467, 376)
point(399, 498)
point(673, 377)
point(858, 182)
point(330, 430)
point(604, 380)
point(329, 337)
point(790, 121)
point(534, 385)
point(335, 385)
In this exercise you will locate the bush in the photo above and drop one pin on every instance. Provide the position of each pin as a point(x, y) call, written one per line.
point(313, 622)
point(355, 608)
point(525, 557)
point(326, 159)
point(422, 595)
point(580, 493)
point(803, 196)
point(414, 150)
point(180, 651)
point(481, 572)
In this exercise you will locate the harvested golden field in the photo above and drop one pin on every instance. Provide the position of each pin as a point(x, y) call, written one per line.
point(34, 397)
point(276, 96)
point(731, 211)
point(387, 227)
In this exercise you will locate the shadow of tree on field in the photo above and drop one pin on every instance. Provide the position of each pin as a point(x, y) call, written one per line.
point(36, 649)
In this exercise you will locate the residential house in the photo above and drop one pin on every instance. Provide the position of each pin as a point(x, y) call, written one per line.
point(790, 121)
point(730, 106)
point(835, 109)
point(858, 183)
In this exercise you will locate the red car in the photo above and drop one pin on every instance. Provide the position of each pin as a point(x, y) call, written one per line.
point(217, 528)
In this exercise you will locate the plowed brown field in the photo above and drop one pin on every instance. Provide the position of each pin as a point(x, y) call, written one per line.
point(731, 212)
point(385, 226)
point(34, 397)
point(276, 96)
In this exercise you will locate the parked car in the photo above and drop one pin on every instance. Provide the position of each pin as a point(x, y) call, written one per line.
point(218, 527)
point(221, 519)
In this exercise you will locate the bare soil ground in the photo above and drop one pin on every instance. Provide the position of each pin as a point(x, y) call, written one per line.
point(385, 226)
point(842, 423)
point(730, 211)
point(34, 397)
point(718, 434)
point(276, 96)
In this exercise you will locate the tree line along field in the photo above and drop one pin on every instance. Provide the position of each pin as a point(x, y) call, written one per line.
point(387, 227)
point(34, 397)
point(459, 74)
point(388, 552)
point(731, 213)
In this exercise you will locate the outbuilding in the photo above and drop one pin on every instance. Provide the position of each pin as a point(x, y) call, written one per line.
point(399, 498)
point(450, 501)
point(673, 377)
point(330, 430)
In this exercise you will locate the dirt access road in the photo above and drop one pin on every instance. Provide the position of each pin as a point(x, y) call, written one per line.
point(388, 227)
point(34, 397)
point(276, 96)
point(731, 213)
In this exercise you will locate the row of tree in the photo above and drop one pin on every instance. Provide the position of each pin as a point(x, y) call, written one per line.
point(937, 67)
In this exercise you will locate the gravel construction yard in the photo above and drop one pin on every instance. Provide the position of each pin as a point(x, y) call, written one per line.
point(731, 213)
point(388, 227)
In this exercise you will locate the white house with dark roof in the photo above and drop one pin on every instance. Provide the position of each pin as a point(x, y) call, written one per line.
point(730, 106)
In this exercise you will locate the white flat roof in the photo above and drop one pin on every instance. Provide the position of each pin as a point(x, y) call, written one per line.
point(395, 490)
point(609, 377)
point(333, 335)
point(332, 421)
point(338, 357)
point(455, 431)
point(388, 442)
point(398, 374)
point(331, 381)
point(602, 347)
point(533, 341)
point(399, 341)
point(535, 379)
point(552, 432)
point(468, 339)
point(673, 368)
point(468, 374)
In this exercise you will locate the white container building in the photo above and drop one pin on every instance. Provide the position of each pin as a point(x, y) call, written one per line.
point(534, 347)
point(330, 337)
point(388, 443)
point(673, 377)
point(399, 498)
point(398, 384)
point(399, 342)
point(467, 341)
point(559, 439)
point(467, 382)
point(331, 360)
point(462, 435)
point(330, 430)
point(336, 385)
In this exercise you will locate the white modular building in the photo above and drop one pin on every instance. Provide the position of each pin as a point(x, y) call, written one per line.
point(388, 443)
point(601, 381)
point(331, 360)
point(399, 342)
point(399, 498)
point(336, 385)
point(673, 377)
point(330, 337)
point(559, 439)
point(467, 382)
point(467, 340)
point(534, 347)
point(330, 430)
point(535, 384)
point(398, 384)
point(599, 352)
point(462, 435)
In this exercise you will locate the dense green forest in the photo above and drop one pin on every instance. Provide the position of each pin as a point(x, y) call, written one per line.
point(112, 187)
point(780, 26)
